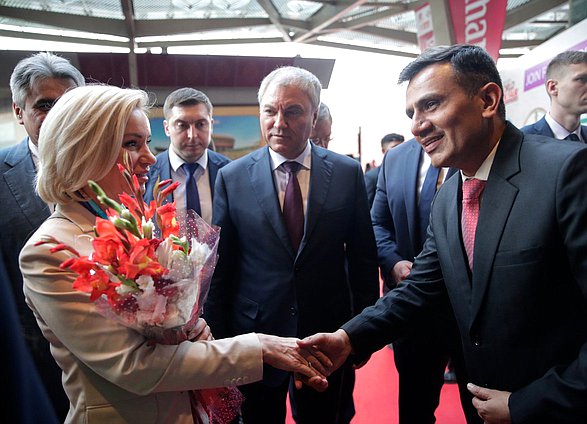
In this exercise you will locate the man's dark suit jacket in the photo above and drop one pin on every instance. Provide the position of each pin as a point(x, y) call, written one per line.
point(541, 127)
point(395, 211)
point(260, 283)
point(24, 397)
point(522, 314)
point(22, 213)
point(371, 183)
point(162, 169)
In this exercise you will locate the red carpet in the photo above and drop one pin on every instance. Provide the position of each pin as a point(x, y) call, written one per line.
point(376, 395)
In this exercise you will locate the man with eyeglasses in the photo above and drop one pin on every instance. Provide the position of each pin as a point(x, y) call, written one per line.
point(188, 123)
point(36, 83)
point(322, 130)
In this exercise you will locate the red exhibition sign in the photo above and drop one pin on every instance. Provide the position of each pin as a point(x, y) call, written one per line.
point(479, 22)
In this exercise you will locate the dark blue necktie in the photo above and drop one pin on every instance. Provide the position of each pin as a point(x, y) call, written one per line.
point(293, 207)
point(572, 137)
point(191, 188)
point(426, 196)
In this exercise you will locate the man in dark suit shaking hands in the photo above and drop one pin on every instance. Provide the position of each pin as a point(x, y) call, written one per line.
point(505, 248)
point(297, 253)
point(566, 85)
point(188, 123)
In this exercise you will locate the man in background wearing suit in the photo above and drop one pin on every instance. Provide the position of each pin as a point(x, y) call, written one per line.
point(297, 253)
point(407, 184)
point(36, 84)
point(322, 131)
point(566, 85)
point(505, 249)
point(188, 123)
point(389, 141)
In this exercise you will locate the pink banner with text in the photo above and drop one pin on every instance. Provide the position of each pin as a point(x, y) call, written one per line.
point(424, 27)
point(479, 22)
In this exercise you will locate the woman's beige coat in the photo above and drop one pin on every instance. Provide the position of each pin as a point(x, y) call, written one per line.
point(110, 373)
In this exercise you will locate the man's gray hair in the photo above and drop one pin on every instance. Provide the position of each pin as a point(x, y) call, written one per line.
point(38, 67)
point(293, 76)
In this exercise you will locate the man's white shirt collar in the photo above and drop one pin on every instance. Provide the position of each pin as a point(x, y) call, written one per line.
point(304, 159)
point(559, 131)
point(176, 162)
point(483, 171)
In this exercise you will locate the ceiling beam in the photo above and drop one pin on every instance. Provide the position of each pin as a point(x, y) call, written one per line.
point(67, 21)
point(326, 16)
point(364, 49)
point(367, 19)
point(63, 39)
point(274, 17)
point(221, 41)
point(391, 34)
point(129, 20)
point(162, 27)
point(530, 11)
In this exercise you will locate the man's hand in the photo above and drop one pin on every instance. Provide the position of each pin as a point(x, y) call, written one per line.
point(309, 367)
point(491, 405)
point(400, 271)
point(335, 346)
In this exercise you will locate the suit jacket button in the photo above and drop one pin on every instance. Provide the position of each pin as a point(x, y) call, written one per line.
point(293, 311)
point(477, 340)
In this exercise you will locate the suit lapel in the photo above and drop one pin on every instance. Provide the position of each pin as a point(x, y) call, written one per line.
point(410, 174)
point(20, 180)
point(320, 181)
point(498, 198)
point(263, 186)
point(213, 167)
point(544, 128)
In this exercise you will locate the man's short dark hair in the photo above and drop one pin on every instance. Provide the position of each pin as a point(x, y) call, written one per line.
point(472, 65)
point(185, 97)
point(388, 138)
point(564, 59)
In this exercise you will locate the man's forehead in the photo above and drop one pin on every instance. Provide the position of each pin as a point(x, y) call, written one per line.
point(49, 88)
point(285, 94)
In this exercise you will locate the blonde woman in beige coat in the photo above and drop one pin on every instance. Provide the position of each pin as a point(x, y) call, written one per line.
point(111, 373)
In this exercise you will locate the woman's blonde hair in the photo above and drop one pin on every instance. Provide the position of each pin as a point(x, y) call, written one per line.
point(81, 138)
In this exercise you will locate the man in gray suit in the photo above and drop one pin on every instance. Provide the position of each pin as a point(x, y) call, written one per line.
point(36, 84)
point(188, 123)
point(297, 252)
point(505, 248)
point(566, 85)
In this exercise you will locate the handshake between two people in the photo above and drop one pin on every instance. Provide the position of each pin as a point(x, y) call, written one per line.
point(311, 360)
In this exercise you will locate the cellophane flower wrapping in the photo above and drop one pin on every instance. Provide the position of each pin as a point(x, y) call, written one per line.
point(150, 269)
point(165, 308)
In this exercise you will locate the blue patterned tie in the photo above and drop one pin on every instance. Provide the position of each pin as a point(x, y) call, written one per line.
point(426, 196)
point(293, 207)
point(191, 188)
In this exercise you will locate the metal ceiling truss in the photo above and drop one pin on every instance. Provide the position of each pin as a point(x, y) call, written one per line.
point(384, 26)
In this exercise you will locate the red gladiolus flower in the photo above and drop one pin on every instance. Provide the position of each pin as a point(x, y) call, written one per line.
point(141, 261)
point(168, 224)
